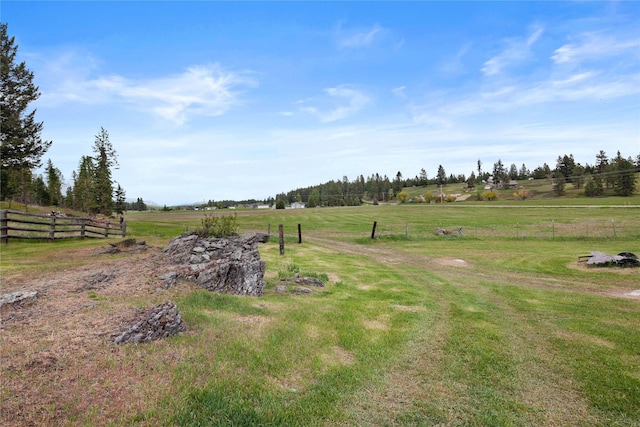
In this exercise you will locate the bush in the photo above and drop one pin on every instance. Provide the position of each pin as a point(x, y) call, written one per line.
point(428, 196)
point(450, 198)
point(280, 204)
point(521, 195)
point(218, 226)
point(403, 196)
point(490, 195)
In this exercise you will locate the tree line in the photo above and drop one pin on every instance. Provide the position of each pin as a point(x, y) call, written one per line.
point(617, 174)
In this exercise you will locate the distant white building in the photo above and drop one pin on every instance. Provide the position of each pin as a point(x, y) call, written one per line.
point(297, 205)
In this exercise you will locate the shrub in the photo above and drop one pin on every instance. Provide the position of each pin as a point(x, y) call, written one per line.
point(279, 204)
point(450, 198)
point(218, 226)
point(403, 196)
point(490, 195)
point(428, 196)
point(521, 195)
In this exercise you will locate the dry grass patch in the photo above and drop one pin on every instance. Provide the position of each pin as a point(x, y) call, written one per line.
point(336, 356)
point(59, 362)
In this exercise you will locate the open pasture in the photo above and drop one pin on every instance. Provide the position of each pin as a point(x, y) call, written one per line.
point(498, 326)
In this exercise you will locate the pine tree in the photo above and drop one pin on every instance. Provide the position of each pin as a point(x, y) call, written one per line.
point(120, 205)
point(624, 180)
point(54, 185)
point(83, 184)
point(441, 178)
point(102, 189)
point(21, 146)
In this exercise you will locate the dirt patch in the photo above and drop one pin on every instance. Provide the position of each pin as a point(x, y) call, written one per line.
point(452, 262)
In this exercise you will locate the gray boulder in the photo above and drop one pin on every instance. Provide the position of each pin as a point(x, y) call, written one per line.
point(227, 265)
point(159, 322)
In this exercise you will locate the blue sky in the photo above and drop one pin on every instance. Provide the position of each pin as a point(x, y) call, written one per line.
point(235, 100)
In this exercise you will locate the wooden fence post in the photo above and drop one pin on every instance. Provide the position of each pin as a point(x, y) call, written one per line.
point(373, 232)
point(4, 232)
point(83, 225)
point(106, 230)
point(52, 228)
point(299, 234)
point(281, 238)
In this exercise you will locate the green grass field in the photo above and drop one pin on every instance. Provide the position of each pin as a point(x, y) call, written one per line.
point(499, 326)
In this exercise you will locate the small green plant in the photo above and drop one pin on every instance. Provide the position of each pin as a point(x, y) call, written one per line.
point(94, 296)
point(218, 226)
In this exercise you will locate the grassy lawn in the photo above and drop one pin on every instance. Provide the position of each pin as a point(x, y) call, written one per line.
point(487, 328)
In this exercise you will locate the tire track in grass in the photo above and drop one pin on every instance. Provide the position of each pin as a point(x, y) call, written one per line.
point(428, 385)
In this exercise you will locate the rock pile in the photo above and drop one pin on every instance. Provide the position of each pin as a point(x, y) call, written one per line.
point(159, 322)
point(227, 265)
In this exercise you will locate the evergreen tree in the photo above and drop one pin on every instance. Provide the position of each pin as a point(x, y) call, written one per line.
point(83, 184)
point(21, 146)
point(441, 178)
point(524, 172)
point(624, 179)
point(39, 191)
point(513, 171)
point(120, 206)
point(397, 183)
point(499, 173)
point(593, 187)
point(565, 165)
point(102, 189)
point(54, 185)
point(471, 181)
point(423, 180)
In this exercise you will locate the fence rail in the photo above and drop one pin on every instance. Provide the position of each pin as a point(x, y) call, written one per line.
point(24, 225)
point(551, 230)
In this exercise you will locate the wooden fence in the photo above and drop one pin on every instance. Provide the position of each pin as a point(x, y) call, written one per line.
point(23, 225)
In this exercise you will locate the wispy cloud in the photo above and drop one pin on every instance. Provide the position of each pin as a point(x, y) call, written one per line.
point(205, 90)
point(594, 46)
point(450, 109)
point(517, 50)
point(349, 102)
point(358, 38)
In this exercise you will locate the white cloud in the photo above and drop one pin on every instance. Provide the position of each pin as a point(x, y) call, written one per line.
point(517, 50)
point(350, 101)
point(451, 109)
point(359, 38)
point(205, 90)
point(595, 46)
